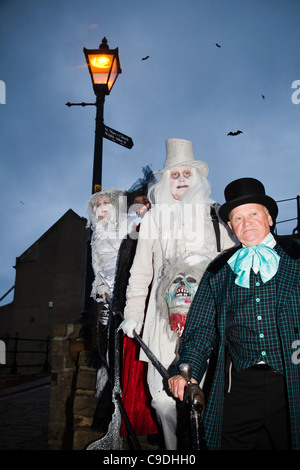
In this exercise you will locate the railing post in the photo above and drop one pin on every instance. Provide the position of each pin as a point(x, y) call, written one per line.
point(14, 366)
point(297, 229)
point(46, 364)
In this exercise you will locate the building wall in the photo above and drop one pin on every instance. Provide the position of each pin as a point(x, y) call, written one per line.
point(49, 284)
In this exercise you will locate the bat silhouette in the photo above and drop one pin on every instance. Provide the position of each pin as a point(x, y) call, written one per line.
point(218, 45)
point(263, 97)
point(235, 133)
point(145, 58)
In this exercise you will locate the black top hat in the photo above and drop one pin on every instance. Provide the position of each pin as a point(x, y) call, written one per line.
point(245, 191)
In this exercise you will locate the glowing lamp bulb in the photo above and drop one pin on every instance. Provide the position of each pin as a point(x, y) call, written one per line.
point(101, 62)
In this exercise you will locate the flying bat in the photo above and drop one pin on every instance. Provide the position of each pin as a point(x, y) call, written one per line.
point(235, 133)
point(145, 58)
point(218, 45)
point(263, 97)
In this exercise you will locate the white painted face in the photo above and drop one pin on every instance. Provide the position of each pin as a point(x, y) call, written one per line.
point(181, 178)
point(103, 207)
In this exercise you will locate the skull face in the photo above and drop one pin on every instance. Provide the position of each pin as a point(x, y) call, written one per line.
point(179, 297)
point(181, 291)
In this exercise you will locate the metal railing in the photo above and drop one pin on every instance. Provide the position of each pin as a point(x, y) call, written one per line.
point(17, 349)
point(297, 228)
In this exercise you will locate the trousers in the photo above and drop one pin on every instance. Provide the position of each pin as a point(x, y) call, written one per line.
point(164, 405)
point(255, 413)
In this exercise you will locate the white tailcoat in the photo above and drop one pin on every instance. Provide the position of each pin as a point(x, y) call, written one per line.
point(152, 251)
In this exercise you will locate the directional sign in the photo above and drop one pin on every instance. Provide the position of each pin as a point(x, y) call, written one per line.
point(117, 137)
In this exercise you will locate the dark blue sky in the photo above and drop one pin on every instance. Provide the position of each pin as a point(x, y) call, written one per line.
point(188, 88)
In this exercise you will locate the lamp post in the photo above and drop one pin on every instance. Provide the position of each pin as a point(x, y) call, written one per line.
point(104, 68)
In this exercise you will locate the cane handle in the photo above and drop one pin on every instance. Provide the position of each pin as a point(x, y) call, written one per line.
point(186, 372)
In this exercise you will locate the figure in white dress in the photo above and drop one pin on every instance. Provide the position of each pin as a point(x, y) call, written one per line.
point(107, 215)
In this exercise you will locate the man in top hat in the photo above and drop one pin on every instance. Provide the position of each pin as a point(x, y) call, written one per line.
point(177, 225)
point(247, 308)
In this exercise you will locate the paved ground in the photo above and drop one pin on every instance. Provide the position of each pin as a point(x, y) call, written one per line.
point(24, 412)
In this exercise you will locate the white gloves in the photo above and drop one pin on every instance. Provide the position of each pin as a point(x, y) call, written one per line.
point(129, 325)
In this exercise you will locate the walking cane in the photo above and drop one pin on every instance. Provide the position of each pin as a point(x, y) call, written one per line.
point(194, 399)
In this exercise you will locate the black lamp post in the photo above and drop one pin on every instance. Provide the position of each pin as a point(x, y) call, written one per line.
point(104, 68)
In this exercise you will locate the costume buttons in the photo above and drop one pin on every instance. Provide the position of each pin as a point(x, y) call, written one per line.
point(259, 317)
point(261, 335)
point(263, 353)
point(257, 284)
point(257, 300)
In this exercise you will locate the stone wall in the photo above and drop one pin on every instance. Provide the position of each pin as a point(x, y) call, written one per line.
point(72, 400)
point(85, 401)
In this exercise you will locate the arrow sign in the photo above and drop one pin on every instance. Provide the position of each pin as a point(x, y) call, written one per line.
point(117, 137)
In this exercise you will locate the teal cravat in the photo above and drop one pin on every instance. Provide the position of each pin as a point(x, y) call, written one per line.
point(260, 257)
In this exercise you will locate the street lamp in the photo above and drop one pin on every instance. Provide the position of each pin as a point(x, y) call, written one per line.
point(104, 68)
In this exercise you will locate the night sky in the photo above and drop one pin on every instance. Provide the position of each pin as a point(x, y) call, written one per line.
point(188, 88)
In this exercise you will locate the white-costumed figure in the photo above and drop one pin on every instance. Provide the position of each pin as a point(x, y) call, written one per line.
point(107, 217)
point(107, 214)
point(178, 224)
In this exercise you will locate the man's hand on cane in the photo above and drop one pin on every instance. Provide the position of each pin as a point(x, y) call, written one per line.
point(177, 385)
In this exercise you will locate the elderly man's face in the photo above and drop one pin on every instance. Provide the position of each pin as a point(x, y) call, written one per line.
point(181, 179)
point(250, 223)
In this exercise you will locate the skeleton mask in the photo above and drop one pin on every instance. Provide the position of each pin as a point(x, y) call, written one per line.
point(179, 296)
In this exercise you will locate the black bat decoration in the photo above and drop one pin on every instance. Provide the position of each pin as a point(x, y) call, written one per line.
point(235, 133)
point(218, 45)
point(145, 58)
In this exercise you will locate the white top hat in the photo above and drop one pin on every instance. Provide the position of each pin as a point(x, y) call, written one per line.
point(180, 153)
